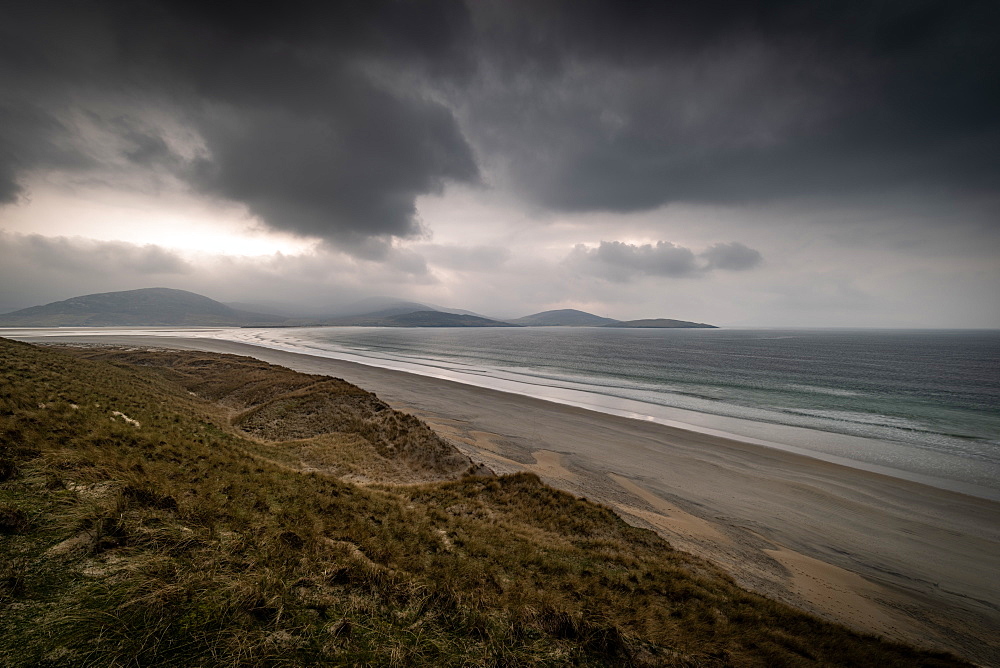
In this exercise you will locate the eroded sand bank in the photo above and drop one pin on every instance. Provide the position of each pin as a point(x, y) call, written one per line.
point(879, 554)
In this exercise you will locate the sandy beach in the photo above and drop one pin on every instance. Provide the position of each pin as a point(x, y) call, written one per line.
point(879, 554)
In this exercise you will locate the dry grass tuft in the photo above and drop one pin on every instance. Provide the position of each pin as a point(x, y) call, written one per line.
point(224, 530)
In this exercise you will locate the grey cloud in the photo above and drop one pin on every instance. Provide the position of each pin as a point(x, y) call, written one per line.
point(68, 255)
point(466, 258)
point(31, 137)
point(330, 119)
point(825, 291)
point(732, 256)
point(621, 262)
point(296, 122)
point(628, 106)
point(38, 269)
point(336, 175)
point(408, 262)
point(141, 146)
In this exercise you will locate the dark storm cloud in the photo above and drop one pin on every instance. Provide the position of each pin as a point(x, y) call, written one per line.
point(141, 147)
point(330, 119)
point(31, 137)
point(627, 106)
point(314, 176)
point(316, 116)
point(622, 262)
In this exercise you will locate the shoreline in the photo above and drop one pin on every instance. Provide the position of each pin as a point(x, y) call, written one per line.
point(843, 449)
point(881, 554)
point(762, 433)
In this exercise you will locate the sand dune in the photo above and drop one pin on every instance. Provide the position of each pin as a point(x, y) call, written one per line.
point(879, 554)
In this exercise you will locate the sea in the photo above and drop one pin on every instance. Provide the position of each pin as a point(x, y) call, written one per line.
point(923, 405)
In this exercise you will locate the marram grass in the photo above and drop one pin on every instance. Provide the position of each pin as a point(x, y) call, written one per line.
point(244, 514)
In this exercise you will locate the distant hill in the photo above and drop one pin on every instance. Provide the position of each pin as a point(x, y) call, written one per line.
point(277, 308)
point(380, 307)
point(136, 308)
point(567, 317)
point(439, 319)
point(179, 308)
point(661, 323)
point(388, 306)
point(418, 319)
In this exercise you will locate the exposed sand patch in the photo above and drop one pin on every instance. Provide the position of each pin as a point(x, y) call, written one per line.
point(94, 491)
point(80, 541)
point(842, 595)
point(670, 518)
point(834, 592)
point(126, 419)
point(479, 446)
point(549, 464)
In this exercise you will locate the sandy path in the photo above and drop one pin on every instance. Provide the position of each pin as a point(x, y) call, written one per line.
point(879, 554)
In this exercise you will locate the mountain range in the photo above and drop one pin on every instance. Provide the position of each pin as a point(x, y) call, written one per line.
point(137, 308)
point(180, 308)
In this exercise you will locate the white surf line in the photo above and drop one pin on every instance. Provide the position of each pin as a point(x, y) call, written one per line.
point(607, 404)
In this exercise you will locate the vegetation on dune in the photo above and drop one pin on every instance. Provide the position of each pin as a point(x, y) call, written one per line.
point(161, 508)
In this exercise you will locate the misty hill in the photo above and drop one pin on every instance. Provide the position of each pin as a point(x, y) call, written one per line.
point(180, 308)
point(276, 308)
point(419, 319)
point(567, 317)
point(389, 306)
point(136, 308)
point(661, 323)
point(380, 307)
point(439, 319)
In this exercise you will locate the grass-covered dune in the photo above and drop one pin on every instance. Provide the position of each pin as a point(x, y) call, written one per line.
point(178, 508)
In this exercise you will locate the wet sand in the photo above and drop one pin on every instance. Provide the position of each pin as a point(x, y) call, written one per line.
point(879, 554)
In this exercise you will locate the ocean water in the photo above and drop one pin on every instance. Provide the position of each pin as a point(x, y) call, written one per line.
point(919, 404)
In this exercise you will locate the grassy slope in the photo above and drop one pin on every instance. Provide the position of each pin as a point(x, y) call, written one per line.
point(204, 537)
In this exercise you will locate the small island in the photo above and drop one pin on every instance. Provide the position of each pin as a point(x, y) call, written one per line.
point(660, 323)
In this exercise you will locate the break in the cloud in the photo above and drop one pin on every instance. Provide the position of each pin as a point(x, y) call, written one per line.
point(39, 269)
point(621, 262)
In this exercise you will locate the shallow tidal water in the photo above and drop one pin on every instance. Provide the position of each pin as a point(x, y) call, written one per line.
point(920, 404)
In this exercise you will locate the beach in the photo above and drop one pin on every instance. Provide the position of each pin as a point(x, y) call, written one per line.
point(880, 554)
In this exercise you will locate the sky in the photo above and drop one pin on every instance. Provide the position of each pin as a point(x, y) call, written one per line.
point(808, 164)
